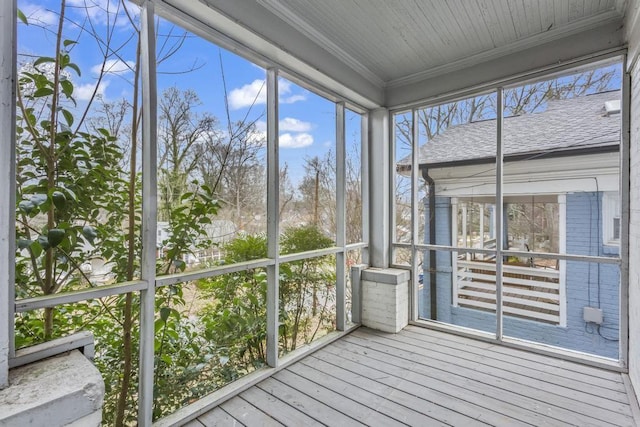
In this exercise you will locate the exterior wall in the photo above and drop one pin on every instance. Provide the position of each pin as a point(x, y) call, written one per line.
point(443, 265)
point(633, 38)
point(584, 228)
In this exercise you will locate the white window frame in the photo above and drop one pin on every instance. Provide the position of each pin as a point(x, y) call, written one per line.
point(611, 210)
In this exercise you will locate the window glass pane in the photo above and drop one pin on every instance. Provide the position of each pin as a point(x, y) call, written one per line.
point(563, 134)
point(77, 190)
point(457, 187)
point(209, 333)
point(211, 150)
point(307, 299)
point(457, 182)
point(307, 141)
point(353, 196)
point(402, 178)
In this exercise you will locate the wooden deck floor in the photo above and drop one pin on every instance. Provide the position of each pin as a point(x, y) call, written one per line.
point(421, 377)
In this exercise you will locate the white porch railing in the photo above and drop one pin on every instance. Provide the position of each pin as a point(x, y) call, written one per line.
point(531, 293)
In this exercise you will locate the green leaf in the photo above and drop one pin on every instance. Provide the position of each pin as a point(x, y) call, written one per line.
point(39, 199)
point(164, 313)
point(43, 60)
point(59, 199)
point(43, 242)
point(43, 91)
point(26, 206)
point(67, 88)
point(89, 233)
point(74, 67)
point(68, 43)
point(22, 17)
point(36, 247)
point(24, 243)
point(55, 237)
point(68, 117)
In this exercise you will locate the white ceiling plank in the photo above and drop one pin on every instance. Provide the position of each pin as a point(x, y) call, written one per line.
point(532, 16)
point(391, 42)
point(576, 10)
point(561, 12)
point(516, 8)
point(546, 15)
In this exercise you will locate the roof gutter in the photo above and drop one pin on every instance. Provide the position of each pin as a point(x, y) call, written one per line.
point(517, 157)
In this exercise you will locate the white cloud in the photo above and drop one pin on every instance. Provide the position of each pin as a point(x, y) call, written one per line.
point(84, 92)
point(289, 124)
point(103, 11)
point(261, 125)
point(255, 93)
point(292, 99)
point(250, 94)
point(300, 140)
point(284, 89)
point(258, 138)
point(38, 14)
point(114, 66)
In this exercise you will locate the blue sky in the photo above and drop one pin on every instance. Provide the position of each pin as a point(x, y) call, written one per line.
point(307, 126)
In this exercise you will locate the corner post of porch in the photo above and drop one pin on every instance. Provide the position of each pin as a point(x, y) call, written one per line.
point(8, 189)
point(379, 167)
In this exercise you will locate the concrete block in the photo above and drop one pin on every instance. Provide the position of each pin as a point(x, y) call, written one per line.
point(60, 391)
point(391, 276)
point(385, 299)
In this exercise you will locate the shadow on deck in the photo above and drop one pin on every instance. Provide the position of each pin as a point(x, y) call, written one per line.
point(422, 377)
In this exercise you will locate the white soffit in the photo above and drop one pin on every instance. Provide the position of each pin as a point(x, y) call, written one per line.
point(403, 41)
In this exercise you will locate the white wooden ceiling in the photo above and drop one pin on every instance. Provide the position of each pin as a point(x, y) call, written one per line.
point(391, 41)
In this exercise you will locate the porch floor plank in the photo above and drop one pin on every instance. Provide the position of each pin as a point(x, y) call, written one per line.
point(248, 414)
point(281, 411)
point(217, 417)
point(426, 377)
point(531, 376)
point(608, 379)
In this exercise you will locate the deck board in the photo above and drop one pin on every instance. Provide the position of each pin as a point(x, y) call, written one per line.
point(281, 411)
point(217, 417)
point(425, 377)
point(527, 373)
point(562, 368)
point(248, 414)
point(563, 388)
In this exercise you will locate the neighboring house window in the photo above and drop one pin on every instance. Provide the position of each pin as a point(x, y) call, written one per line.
point(611, 218)
point(533, 223)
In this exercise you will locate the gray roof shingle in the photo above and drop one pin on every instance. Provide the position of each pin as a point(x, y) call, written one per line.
point(568, 124)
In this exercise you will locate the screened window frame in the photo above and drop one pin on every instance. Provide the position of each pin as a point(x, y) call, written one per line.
point(148, 282)
point(621, 259)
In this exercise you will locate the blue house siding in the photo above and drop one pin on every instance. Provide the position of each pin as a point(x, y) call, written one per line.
point(587, 284)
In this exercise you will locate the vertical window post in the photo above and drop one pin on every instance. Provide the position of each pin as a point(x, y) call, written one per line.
point(415, 221)
point(149, 212)
point(273, 217)
point(341, 318)
point(364, 165)
point(8, 82)
point(499, 211)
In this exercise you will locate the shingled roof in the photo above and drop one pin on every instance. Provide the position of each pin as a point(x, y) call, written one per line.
point(566, 125)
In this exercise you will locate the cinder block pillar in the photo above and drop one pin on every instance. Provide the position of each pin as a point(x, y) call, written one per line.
point(385, 299)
